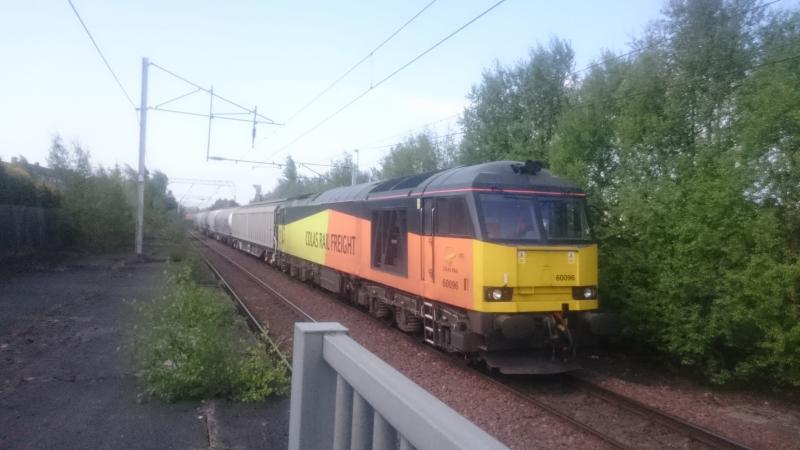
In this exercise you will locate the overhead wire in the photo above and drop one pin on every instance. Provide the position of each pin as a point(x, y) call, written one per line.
point(361, 61)
point(369, 146)
point(212, 93)
point(411, 130)
point(619, 97)
point(102, 56)
point(437, 139)
point(572, 73)
point(388, 77)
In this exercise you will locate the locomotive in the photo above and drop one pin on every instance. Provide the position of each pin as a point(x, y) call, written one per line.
point(494, 261)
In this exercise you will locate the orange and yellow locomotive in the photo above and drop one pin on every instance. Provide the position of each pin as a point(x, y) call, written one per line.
point(495, 260)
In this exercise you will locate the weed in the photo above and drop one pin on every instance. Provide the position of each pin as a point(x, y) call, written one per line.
point(191, 344)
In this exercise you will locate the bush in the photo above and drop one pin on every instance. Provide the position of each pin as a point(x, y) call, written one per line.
point(98, 204)
point(99, 215)
point(175, 232)
point(191, 344)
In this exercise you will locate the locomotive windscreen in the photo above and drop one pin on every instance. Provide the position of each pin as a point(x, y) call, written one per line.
point(523, 218)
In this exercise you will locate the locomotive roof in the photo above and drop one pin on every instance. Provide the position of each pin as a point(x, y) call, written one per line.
point(497, 174)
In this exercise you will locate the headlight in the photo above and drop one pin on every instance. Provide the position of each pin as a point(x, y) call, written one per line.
point(584, 292)
point(497, 294)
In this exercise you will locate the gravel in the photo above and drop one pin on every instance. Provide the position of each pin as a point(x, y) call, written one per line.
point(760, 420)
point(505, 416)
point(756, 419)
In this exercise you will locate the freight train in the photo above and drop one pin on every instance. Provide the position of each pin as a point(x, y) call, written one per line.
point(494, 261)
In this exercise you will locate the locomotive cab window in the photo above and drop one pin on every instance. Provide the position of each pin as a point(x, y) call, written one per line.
point(564, 219)
point(452, 217)
point(389, 240)
point(509, 217)
point(523, 218)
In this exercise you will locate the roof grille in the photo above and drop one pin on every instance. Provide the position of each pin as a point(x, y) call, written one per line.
point(529, 168)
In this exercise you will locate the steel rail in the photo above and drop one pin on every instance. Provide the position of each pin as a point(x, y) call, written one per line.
point(528, 398)
point(682, 426)
point(260, 282)
point(249, 315)
point(694, 432)
point(607, 438)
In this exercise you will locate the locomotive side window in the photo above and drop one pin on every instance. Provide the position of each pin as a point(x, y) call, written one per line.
point(452, 217)
point(427, 216)
point(389, 242)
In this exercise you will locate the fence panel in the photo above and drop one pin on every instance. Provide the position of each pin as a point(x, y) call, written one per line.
point(344, 397)
point(24, 229)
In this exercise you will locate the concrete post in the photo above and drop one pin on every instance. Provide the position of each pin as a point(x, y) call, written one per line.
point(140, 179)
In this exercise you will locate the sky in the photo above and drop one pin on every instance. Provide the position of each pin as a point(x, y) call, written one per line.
point(273, 55)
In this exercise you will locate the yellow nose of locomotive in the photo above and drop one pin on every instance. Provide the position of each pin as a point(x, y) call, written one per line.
point(535, 278)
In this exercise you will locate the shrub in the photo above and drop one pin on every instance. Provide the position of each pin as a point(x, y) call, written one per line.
point(191, 344)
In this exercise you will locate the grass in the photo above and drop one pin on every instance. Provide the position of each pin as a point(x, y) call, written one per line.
point(192, 344)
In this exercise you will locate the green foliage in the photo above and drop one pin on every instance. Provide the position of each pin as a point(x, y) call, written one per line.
point(58, 159)
point(221, 203)
point(98, 206)
point(514, 111)
point(176, 234)
point(98, 210)
point(690, 148)
point(292, 184)
point(417, 154)
point(19, 185)
point(191, 344)
point(421, 153)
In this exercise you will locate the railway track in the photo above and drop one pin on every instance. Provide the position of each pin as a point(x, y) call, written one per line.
point(697, 433)
point(657, 428)
point(251, 318)
point(269, 288)
point(637, 425)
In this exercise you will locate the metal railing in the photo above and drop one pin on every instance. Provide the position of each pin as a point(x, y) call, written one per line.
point(344, 397)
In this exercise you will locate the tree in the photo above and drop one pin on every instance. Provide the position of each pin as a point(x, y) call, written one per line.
point(257, 197)
point(81, 160)
point(417, 154)
point(98, 204)
point(293, 184)
point(221, 203)
point(690, 148)
point(586, 145)
point(290, 171)
point(58, 157)
point(514, 111)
